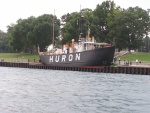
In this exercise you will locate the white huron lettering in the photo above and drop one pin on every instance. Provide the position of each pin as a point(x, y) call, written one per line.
point(63, 58)
point(51, 59)
point(70, 57)
point(77, 56)
point(57, 59)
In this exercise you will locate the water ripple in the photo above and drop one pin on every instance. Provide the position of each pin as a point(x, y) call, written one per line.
point(53, 91)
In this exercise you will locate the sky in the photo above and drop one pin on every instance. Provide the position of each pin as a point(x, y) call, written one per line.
point(12, 10)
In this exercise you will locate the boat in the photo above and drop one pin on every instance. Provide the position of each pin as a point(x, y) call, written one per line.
point(84, 52)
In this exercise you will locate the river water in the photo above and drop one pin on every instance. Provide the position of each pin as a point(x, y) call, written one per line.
point(25, 90)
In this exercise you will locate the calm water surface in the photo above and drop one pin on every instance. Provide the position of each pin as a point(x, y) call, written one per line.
point(52, 91)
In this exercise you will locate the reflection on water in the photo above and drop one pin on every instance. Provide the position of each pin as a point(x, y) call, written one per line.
point(52, 91)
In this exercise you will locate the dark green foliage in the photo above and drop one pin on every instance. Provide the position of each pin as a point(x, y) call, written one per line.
point(124, 28)
point(4, 47)
point(129, 27)
point(27, 34)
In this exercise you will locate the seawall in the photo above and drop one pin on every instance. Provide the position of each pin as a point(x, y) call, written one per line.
point(141, 70)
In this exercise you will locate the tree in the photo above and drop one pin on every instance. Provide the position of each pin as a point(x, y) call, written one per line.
point(28, 33)
point(101, 27)
point(113, 18)
point(3, 42)
point(70, 29)
point(131, 27)
point(19, 34)
point(44, 30)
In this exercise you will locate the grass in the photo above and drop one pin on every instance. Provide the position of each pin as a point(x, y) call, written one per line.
point(20, 56)
point(134, 56)
point(128, 57)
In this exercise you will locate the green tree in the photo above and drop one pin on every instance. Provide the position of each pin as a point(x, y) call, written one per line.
point(27, 34)
point(101, 28)
point(70, 28)
point(16, 36)
point(3, 42)
point(113, 18)
point(44, 30)
point(131, 27)
point(20, 34)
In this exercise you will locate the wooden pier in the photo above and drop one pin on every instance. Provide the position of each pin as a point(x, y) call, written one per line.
point(141, 70)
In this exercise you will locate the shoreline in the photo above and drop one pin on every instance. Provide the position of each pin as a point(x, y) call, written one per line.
point(124, 69)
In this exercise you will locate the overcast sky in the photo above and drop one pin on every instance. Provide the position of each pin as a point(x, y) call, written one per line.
point(12, 10)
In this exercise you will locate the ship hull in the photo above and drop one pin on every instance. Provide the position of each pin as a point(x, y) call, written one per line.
point(95, 57)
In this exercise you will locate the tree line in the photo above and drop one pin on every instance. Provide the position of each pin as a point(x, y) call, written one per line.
point(124, 28)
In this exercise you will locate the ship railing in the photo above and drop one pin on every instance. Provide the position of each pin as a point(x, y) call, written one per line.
point(47, 53)
point(51, 53)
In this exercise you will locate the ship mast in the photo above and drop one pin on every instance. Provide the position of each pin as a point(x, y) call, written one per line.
point(81, 24)
point(53, 28)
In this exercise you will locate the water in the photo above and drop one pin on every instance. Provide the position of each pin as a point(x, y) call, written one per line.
point(51, 91)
